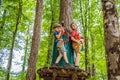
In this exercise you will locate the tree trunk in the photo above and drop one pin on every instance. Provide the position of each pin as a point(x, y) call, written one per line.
point(65, 19)
point(111, 39)
point(31, 72)
point(13, 41)
point(93, 56)
point(66, 13)
point(25, 55)
point(85, 28)
point(50, 33)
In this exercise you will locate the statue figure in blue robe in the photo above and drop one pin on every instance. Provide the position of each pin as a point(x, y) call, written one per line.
point(69, 51)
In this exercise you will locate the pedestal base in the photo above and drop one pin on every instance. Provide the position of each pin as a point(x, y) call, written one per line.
point(57, 73)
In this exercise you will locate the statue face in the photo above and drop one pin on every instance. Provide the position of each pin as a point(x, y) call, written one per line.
point(57, 29)
point(74, 26)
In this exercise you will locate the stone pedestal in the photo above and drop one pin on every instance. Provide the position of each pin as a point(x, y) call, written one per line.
point(57, 73)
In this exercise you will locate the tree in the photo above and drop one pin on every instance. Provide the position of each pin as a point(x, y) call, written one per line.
point(65, 19)
point(52, 9)
point(85, 21)
point(26, 51)
point(13, 40)
point(31, 72)
point(112, 42)
point(66, 13)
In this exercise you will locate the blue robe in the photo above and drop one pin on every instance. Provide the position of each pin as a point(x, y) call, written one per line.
point(69, 51)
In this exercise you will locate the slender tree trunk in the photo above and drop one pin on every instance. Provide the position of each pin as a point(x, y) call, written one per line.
point(112, 42)
point(50, 33)
point(25, 55)
point(66, 13)
point(31, 72)
point(26, 50)
point(13, 41)
point(93, 68)
point(85, 28)
point(93, 72)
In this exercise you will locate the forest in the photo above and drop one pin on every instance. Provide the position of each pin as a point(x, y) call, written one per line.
point(26, 36)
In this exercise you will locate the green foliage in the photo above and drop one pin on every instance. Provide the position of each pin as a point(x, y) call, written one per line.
point(2, 74)
point(91, 11)
point(49, 12)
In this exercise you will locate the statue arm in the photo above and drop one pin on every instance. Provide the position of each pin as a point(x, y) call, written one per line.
point(77, 41)
point(58, 35)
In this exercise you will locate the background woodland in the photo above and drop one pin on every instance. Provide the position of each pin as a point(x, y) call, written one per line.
point(16, 31)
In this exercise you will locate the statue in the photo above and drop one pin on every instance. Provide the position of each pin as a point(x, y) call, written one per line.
point(62, 72)
point(68, 47)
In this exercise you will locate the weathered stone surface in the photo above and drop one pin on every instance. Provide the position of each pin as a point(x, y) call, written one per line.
point(57, 73)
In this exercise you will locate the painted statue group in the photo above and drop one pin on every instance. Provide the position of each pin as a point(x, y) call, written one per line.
point(76, 42)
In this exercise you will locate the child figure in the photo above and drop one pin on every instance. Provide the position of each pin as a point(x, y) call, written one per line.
point(76, 42)
point(59, 31)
